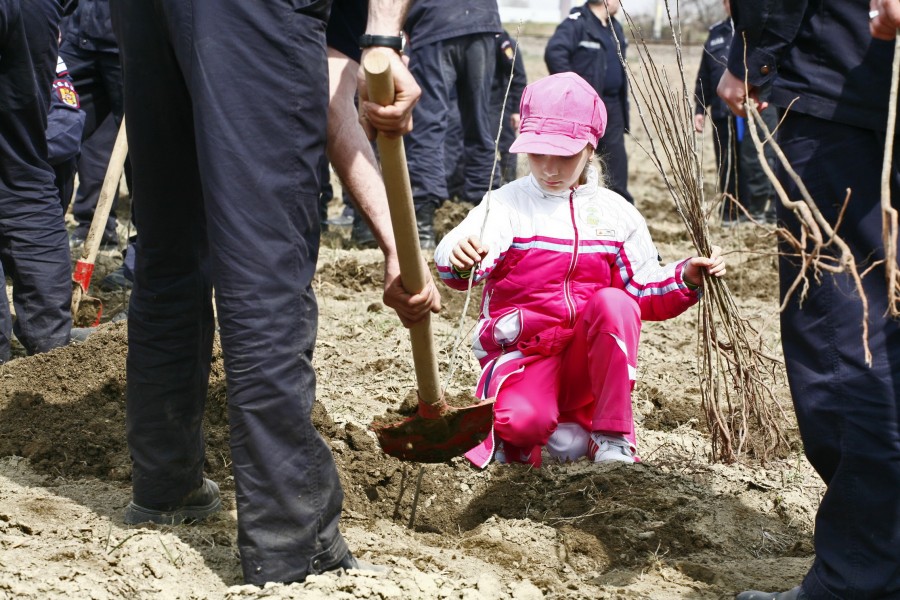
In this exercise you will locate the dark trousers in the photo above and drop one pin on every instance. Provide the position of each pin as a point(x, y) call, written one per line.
point(611, 148)
point(727, 152)
point(226, 125)
point(466, 63)
point(92, 165)
point(455, 152)
point(98, 79)
point(755, 187)
point(33, 247)
point(847, 410)
point(509, 163)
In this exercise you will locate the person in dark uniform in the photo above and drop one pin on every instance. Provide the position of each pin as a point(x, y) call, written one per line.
point(819, 58)
point(740, 172)
point(65, 125)
point(226, 105)
point(588, 42)
point(510, 65)
point(33, 248)
point(452, 48)
point(90, 50)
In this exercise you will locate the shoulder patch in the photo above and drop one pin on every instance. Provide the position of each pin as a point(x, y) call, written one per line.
point(574, 16)
point(66, 93)
point(508, 51)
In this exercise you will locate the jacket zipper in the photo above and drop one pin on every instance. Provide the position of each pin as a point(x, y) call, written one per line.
point(567, 288)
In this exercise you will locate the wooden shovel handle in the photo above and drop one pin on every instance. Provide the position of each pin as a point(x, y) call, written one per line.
point(380, 84)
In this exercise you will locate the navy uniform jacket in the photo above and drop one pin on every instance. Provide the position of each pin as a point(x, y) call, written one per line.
point(506, 64)
point(65, 119)
point(712, 66)
point(431, 21)
point(580, 44)
point(830, 81)
point(90, 27)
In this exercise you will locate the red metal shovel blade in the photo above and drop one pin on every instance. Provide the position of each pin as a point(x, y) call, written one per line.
point(435, 440)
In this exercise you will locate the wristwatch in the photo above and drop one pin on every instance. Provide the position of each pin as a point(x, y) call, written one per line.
point(396, 42)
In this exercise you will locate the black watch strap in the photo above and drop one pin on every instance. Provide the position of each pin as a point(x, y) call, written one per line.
point(385, 41)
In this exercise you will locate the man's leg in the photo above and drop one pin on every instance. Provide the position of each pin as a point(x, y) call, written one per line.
point(170, 329)
point(847, 410)
point(725, 147)
point(476, 75)
point(432, 67)
point(33, 246)
point(92, 165)
point(612, 149)
point(756, 187)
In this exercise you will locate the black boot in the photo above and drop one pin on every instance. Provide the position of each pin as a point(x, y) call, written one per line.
point(757, 208)
point(360, 234)
point(425, 224)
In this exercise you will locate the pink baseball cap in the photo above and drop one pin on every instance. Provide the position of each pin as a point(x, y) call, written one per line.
point(560, 114)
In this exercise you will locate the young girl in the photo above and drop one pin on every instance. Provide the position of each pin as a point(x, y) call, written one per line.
point(569, 272)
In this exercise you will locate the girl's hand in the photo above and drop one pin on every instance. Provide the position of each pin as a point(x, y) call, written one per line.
point(714, 265)
point(467, 253)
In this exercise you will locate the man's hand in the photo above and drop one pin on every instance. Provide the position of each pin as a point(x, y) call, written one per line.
point(699, 122)
point(395, 119)
point(411, 308)
point(734, 93)
point(884, 18)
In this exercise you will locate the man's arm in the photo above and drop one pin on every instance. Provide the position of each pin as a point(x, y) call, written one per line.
point(386, 17)
point(353, 159)
point(763, 31)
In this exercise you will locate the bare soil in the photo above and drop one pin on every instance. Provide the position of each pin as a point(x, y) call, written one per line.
point(673, 526)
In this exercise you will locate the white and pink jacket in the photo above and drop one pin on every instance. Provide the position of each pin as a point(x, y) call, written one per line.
point(548, 254)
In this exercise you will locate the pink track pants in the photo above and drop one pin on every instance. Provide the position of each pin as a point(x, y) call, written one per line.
point(588, 383)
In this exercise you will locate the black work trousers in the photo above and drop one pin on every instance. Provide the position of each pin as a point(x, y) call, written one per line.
point(466, 63)
point(611, 148)
point(98, 79)
point(33, 248)
point(225, 102)
point(848, 411)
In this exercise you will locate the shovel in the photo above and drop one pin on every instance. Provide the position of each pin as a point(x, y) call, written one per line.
point(438, 431)
point(86, 310)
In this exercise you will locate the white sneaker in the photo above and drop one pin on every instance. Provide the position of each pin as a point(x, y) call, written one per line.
point(568, 443)
point(608, 448)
